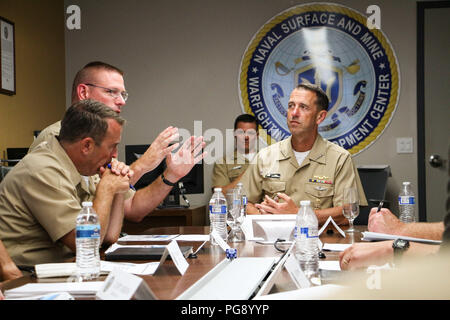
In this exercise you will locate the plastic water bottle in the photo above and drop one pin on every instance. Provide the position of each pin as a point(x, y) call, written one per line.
point(218, 214)
point(406, 202)
point(88, 243)
point(306, 241)
point(243, 196)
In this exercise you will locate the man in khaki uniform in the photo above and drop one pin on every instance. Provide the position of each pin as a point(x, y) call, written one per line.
point(302, 167)
point(228, 171)
point(105, 83)
point(41, 197)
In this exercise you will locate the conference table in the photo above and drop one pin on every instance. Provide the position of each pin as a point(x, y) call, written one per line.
point(167, 284)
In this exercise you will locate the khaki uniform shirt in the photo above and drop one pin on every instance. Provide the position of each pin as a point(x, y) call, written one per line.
point(46, 134)
point(321, 178)
point(227, 169)
point(40, 200)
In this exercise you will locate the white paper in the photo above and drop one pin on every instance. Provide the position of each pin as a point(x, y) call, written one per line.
point(219, 240)
point(50, 270)
point(143, 269)
point(74, 288)
point(116, 246)
point(336, 246)
point(335, 225)
point(259, 239)
point(296, 273)
point(375, 236)
point(193, 237)
point(48, 296)
point(332, 265)
point(148, 237)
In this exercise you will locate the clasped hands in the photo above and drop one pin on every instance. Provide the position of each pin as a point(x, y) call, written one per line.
point(117, 177)
point(271, 206)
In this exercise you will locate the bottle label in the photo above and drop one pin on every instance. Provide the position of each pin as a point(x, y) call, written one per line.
point(307, 233)
point(91, 231)
point(218, 209)
point(244, 200)
point(406, 200)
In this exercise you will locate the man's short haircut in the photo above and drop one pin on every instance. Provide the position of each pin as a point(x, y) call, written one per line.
point(322, 100)
point(85, 74)
point(245, 118)
point(87, 118)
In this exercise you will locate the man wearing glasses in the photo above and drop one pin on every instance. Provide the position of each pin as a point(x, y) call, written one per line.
point(104, 83)
point(228, 171)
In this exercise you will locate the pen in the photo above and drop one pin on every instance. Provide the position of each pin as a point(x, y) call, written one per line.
point(380, 206)
point(131, 186)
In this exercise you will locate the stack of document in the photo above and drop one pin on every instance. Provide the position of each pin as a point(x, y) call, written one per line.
point(52, 270)
point(164, 237)
point(147, 237)
point(75, 289)
point(375, 236)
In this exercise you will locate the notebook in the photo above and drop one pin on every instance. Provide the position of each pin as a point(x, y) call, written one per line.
point(143, 253)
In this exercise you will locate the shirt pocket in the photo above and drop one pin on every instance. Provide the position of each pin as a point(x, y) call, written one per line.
point(271, 187)
point(321, 195)
point(233, 174)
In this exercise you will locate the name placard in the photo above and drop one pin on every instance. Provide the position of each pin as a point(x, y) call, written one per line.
point(296, 273)
point(178, 259)
point(120, 285)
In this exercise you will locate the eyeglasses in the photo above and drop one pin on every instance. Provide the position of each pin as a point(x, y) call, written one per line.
point(112, 92)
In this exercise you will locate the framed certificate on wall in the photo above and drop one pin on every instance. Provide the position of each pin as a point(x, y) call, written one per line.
point(7, 53)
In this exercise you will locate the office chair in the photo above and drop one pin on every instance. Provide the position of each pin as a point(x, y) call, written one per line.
point(13, 156)
point(374, 182)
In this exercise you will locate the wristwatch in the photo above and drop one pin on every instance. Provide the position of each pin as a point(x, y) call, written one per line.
point(399, 246)
point(167, 181)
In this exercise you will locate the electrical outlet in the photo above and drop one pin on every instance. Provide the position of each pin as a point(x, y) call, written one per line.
point(405, 145)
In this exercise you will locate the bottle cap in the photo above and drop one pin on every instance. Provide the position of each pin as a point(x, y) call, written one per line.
point(86, 204)
point(239, 184)
point(305, 203)
point(217, 189)
point(406, 183)
point(231, 253)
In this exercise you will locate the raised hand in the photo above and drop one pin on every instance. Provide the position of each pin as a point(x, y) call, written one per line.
point(181, 162)
point(157, 151)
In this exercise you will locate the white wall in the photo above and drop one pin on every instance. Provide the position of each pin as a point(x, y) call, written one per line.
point(182, 59)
